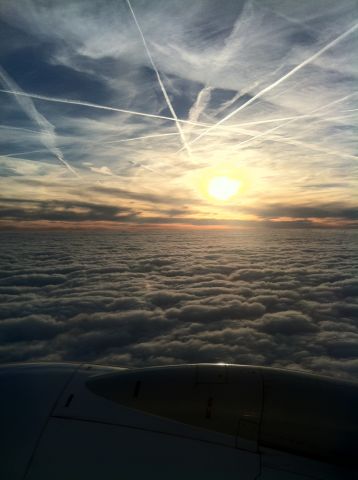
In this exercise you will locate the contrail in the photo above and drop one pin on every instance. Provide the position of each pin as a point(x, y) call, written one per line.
point(24, 153)
point(22, 129)
point(291, 141)
point(144, 137)
point(293, 117)
point(167, 99)
point(48, 137)
point(280, 80)
point(100, 107)
point(145, 167)
point(327, 120)
point(252, 134)
point(317, 148)
point(201, 102)
point(98, 142)
point(105, 107)
point(270, 130)
point(204, 96)
point(17, 158)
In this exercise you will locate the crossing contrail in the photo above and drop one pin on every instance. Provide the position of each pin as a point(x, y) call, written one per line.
point(292, 117)
point(22, 129)
point(279, 81)
point(100, 107)
point(113, 109)
point(162, 87)
point(97, 142)
point(292, 141)
point(253, 134)
point(138, 164)
point(289, 141)
point(311, 113)
point(47, 136)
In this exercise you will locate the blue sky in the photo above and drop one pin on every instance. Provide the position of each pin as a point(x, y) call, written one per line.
point(112, 117)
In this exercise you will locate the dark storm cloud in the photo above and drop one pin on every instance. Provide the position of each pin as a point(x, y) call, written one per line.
point(281, 298)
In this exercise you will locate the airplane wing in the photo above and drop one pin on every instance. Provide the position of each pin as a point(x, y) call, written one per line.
point(70, 421)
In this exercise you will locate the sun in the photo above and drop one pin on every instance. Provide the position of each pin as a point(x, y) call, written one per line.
point(223, 187)
point(221, 184)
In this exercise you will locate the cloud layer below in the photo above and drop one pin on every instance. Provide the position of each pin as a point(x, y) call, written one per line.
point(284, 298)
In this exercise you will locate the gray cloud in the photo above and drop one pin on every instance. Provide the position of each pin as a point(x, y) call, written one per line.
point(66, 211)
point(285, 298)
point(287, 323)
point(333, 210)
point(181, 213)
point(32, 327)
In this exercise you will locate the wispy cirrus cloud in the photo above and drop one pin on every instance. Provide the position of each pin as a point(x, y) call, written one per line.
point(269, 91)
point(48, 136)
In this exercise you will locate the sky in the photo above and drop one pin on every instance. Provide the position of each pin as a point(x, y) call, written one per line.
point(118, 114)
point(120, 117)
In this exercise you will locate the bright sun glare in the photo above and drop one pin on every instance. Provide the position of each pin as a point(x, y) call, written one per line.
point(222, 188)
